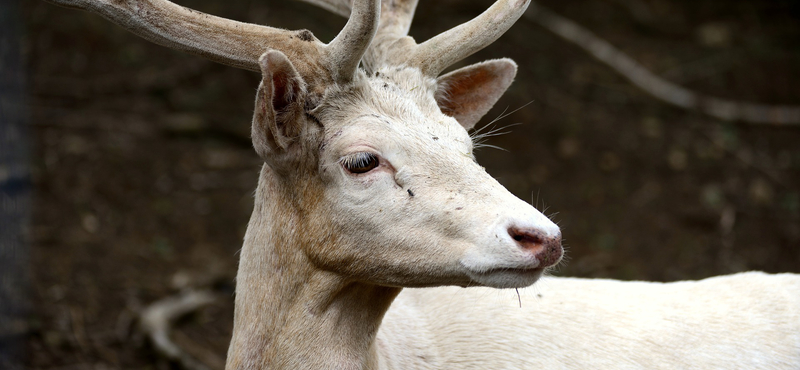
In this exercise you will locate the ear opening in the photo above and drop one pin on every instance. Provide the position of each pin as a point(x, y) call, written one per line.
point(277, 122)
point(468, 93)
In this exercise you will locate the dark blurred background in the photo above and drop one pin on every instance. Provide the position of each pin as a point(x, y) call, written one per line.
point(143, 172)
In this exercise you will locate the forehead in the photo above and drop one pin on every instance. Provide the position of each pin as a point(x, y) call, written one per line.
point(395, 104)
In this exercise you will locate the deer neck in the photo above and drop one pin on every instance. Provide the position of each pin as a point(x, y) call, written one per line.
point(289, 314)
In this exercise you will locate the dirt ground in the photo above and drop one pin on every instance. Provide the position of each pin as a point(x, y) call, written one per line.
point(144, 173)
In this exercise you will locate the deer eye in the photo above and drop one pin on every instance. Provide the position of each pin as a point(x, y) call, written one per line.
point(360, 162)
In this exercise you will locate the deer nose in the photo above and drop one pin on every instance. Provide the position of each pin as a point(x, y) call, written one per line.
point(545, 248)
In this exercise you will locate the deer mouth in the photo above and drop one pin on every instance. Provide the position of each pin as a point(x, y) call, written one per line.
point(508, 277)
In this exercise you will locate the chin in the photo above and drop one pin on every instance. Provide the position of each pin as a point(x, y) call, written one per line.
point(507, 277)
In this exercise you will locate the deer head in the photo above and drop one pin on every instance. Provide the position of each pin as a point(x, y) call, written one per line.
point(384, 154)
point(378, 158)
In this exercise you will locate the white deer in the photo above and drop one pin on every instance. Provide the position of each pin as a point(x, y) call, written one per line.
point(369, 186)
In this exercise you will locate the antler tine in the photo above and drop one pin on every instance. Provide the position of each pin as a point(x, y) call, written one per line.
point(348, 47)
point(341, 7)
point(396, 17)
point(222, 40)
point(395, 20)
point(436, 54)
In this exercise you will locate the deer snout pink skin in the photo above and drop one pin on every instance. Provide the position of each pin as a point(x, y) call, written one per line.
point(545, 248)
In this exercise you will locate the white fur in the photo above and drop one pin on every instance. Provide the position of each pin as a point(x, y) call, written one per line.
point(743, 321)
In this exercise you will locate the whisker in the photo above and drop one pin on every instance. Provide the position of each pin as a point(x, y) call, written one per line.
point(504, 114)
point(494, 132)
point(481, 146)
point(501, 116)
point(478, 141)
point(478, 130)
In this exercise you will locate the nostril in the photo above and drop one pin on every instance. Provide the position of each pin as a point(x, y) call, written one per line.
point(526, 238)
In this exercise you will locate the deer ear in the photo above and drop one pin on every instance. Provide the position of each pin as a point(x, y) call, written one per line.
point(466, 94)
point(277, 122)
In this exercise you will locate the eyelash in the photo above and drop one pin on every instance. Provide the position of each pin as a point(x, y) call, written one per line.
point(361, 162)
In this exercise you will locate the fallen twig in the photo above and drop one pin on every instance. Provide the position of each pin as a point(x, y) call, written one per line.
point(157, 318)
point(656, 86)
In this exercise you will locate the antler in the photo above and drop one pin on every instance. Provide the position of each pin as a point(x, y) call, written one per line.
point(436, 54)
point(392, 46)
point(352, 42)
point(240, 44)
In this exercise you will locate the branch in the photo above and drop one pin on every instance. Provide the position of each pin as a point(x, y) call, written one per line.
point(664, 90)
point(156, 321)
